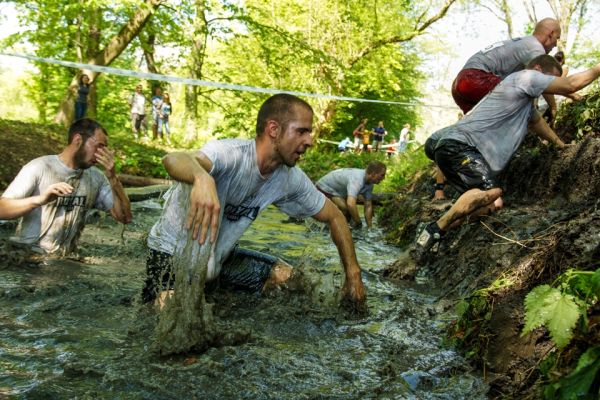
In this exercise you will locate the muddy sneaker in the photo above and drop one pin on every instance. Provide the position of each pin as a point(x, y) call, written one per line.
point(428, 238)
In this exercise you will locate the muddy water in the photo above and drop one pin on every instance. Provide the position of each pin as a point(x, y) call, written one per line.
point(72, 329)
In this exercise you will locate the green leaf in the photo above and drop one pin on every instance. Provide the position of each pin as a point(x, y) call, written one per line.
point(538, 304)
point(563, 319)
point(545, 305)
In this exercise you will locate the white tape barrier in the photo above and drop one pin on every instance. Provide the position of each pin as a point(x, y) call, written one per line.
point(199, 82)
point(351, 145)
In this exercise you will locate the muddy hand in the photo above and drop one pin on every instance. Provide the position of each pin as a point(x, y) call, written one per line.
point(354, 297)
point(106, 158)
point(53, 191)
point(205, 210)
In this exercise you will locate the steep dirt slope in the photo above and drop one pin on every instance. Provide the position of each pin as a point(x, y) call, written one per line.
point(551, 222)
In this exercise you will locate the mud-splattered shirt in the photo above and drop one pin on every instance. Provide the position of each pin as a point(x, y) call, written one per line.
point(243, 193)
point(57, 225)
point(498, 123)
point(346, 182)
point(504, 58)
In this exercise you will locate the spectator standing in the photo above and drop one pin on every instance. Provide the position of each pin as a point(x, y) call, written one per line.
point(82, 94)
point(404, 136)
point(157, 100)
point(378, 133)
point(163, 117)
point(137, 101)
point(358, 134)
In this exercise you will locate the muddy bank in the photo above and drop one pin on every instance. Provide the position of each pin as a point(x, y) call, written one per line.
point(551, 222)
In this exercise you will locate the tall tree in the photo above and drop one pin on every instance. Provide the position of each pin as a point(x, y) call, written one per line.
point(93, 32)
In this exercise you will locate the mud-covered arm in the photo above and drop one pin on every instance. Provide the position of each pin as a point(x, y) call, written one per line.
point(121, 210)
point(551, 105)
point(16, 208)
point(353, 210)
point(543, 130)
point(205, 208)
point(353, 290)
point(369, 213)
point(572, 83)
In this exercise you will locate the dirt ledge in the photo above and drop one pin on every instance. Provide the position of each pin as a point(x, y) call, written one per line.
point(551, 222)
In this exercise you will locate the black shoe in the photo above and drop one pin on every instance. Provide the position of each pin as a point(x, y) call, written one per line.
point(428, 238)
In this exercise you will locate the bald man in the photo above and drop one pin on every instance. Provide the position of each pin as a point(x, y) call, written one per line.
point(488, 67)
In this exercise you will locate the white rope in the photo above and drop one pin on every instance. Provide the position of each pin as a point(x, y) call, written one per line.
point(200, 82)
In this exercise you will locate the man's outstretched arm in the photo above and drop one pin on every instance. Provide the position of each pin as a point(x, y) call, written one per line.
point(16, 208)
point(353, 290)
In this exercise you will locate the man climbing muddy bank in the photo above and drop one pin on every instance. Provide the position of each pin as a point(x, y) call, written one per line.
point(472, 152)
point(343, 187)
point(233, 180)
point(53, 193)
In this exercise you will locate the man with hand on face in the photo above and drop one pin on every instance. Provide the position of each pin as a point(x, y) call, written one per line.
point(233, 180)
point(344, 186)
point(52, 194)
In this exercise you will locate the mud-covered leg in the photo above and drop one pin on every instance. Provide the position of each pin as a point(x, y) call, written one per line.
point(474, 202)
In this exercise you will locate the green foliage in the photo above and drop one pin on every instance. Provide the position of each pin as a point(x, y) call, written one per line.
point(402, 169)
point(560, 308)
point(577, 119)
point(548, 306)
point(582, 383)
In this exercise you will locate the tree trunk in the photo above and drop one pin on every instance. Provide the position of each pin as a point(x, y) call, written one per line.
point(195, 62)
point(104, 57)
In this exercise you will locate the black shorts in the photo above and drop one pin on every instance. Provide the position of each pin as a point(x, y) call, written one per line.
point(244, 269)
point(463, 166)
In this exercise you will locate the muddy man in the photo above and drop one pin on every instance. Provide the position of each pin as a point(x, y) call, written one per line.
point(233, 180)
point(475, 150)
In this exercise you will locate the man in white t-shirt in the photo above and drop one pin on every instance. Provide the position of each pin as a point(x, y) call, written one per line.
point(232, 180)
point(475, 150)
point(52, 194)
point(344, 186)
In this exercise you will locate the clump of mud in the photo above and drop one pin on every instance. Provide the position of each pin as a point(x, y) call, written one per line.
point(186, 321)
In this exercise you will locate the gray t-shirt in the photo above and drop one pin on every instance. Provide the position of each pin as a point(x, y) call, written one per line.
point(498, 124)
point(504, 58)
point(346, 182)
point(243, 193)
point(57, 225)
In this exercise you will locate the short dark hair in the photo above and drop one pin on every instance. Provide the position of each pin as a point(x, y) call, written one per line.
point(86, 128)
point(279, 107)
point(546, 62)
point(375, 167)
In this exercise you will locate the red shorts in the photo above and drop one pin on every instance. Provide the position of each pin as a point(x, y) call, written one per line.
point(471, 85)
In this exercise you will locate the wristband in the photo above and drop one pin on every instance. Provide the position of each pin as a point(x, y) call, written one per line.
point(439, 186)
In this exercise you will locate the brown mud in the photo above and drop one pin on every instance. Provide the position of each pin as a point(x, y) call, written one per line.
point(550, 223)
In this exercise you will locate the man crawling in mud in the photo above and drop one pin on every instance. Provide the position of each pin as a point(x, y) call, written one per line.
point(233, 180)
point(475, 150)
point(52, 194)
